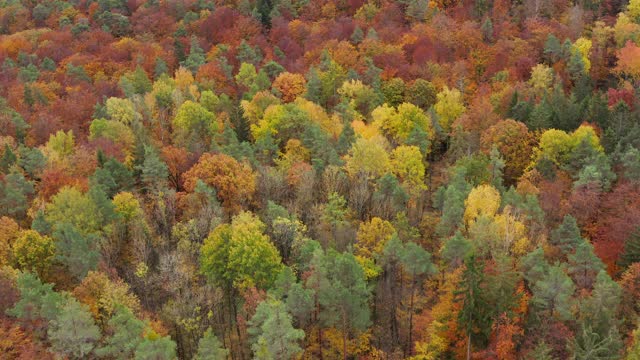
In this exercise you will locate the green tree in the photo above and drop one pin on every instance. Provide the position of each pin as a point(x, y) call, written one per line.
point(154, 347)
point(631, 252)
point(473, 316)
point(567, 235)
point(196, 56)
point(75, 250)
point(14, 195)
point(126, 334)
point(344, 295)
point(210, 348)
point(273, 332)
point(154, 171)
point(37, 300)
point(240, 254)
point(416, 262)
point(73, 332)
point(553, 293)
point(335, 212)
point(584, 265)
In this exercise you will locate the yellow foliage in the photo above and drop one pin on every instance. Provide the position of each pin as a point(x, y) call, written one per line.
point(368, 156)
point(482, 200)
point(372, 236)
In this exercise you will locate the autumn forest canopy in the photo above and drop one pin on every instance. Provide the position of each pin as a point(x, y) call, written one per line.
point(330, 179)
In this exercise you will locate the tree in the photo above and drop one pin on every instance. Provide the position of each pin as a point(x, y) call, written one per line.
point(421, 93)
point(289, 85)
point(33, 252)
point(233, 181)
point(449, 106)
point(240, 254)
point(210, 348)
point(37, 300)
point(335, 212)
point(584, 265)
point(407, 165)
point(631, 252)
point(456, 249)
point(417, 263)
point(473, 316)
point(344, 296)
point(368, 156)
point(155, 347)
point(629, 61)
point(14, 194)
point(73, 332)
point(125, 334)
point(75, 250)
point(567, 235)
point(193, 124)
point(84, 211)
point(154, 170)
point(272, 331)
point(552, 294)
point(483, 200)
point(196, 57)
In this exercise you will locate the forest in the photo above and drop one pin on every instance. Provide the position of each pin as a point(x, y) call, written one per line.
point(320, 179)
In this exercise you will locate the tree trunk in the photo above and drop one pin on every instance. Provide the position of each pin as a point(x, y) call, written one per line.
point(409, 347)
point(469, 347)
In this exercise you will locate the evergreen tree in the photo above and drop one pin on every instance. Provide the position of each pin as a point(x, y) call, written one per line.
point(271, 327)
point(567, 235)
point(8, 159)
point(631, 252)
point(344, 296)
point(126, 334)
point(210, 348)
point(473, 316)
point(37, 300)
point(154, 347)
point(78, 252)
point(73, 332)
point(154, 170)
point(196, 56)
point(553, 293)
point(584, 265)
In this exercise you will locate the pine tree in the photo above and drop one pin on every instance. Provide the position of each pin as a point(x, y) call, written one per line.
point(77, 251)
point(8, 159)
point(631, 252)
point(271, 328)
point(73, 332)
point(210, 348)
point(344, 296)
point(584, 265)
point(567, 235)
point(154, 347)
point(154, 170)
point(196, 56)
point(126, 334)
point(473, 316)
point(553, 293)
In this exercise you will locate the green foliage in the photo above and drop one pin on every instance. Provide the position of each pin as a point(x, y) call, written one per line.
point(37, 300)
point(126, 334)
point(15, 191)
point(552, 295)
point(154, 347)
point(240, 254)
point(73, 332)
point(273, 334)
point(210, 348)
point(78, 252)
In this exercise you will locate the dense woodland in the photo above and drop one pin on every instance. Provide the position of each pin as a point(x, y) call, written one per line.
point(319, 179)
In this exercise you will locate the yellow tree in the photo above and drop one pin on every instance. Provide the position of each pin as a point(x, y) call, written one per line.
point(407, 165)
point(372, 236)
point(449, 106)
point(483, 200)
